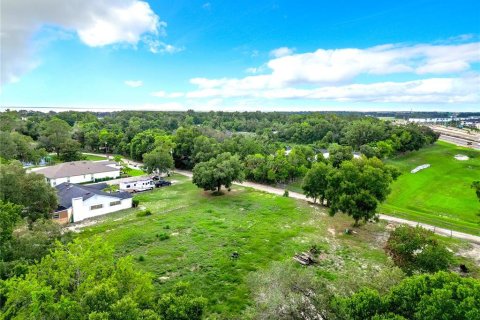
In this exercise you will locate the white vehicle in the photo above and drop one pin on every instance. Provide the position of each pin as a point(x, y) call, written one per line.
point(137, 185)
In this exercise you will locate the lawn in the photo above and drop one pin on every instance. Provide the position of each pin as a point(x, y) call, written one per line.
point(205, 230)
point(134, 172)
point(92, 157)
point(440, 195)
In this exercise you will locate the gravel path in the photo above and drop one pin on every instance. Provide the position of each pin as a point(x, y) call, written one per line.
point(296, 195)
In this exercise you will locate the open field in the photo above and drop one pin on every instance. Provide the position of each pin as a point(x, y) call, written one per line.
point(441, 194)
point(204, 231)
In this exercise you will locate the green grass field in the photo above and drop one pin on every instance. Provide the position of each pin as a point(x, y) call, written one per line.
point(134, 172)
point(204, 231)
point(440, 195)
point(92, 157)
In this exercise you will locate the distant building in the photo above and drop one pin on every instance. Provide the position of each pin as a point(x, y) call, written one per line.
point(79, 172)
point(79, 202)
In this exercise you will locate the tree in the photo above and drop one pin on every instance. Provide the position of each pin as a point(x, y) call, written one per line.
point(218, 172)
point(18, 187)
point(9, 215)
point(183, 151)
point(476, 186)
point(358, 186)
point(180, 305)
point(416, 250)
point(256, 168)
point(315, 183)
point(80, 280)
point(55, 133)
point(26, 246)
point(159, 160)
point(423, 297)
point(300, 159)
point(338, 154)
point(70, 151)
point(144, 142)
point(364, 131)
point(17, 146)
point(204, 149)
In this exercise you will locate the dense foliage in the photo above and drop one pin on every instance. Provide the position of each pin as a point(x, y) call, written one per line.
point(426, 297)
point(17, 187)
point(196, 137)
point(417, 250)
point(83, 280)
point(218, 172)
point(355, 187)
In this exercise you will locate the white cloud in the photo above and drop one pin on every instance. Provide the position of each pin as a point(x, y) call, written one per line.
point(330, 75)
point(281, 52)
point(157, 46)
point(134, 83)
point(97, 23)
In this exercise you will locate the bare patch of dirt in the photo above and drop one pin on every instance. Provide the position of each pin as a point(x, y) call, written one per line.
point(473, 252)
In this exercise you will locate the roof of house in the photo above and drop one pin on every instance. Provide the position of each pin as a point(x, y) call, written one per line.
point(99, 186)
point(77, 168)
point(68, 191)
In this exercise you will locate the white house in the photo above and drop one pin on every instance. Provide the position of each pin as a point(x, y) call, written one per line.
point(137, 184)
point(79, 172)
point(79, 202)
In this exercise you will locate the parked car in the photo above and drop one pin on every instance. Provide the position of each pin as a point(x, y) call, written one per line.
point(162, 183)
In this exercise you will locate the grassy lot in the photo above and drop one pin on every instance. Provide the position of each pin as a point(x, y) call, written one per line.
point(204, 231)
point(92, 157)
point(439, 195)
point(134, 172)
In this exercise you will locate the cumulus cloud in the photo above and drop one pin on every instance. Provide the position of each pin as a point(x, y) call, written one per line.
point(96, 23)
point(281, 52)
point(433, 90)
point(134, 83)
point(330, 75)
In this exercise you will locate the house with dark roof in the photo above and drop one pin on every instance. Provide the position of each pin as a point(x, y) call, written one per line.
point(79, 171)
point(79, 202)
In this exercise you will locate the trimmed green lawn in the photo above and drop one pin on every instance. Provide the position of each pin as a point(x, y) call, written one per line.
point(92, 157)
point(134, 172)
point(205, 230)
point(441, 194)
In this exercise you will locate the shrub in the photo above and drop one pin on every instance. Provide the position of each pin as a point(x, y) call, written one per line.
point(416, 250)
point(141, 258)
point(429, 297)
point(163, 236)
point(135, 202)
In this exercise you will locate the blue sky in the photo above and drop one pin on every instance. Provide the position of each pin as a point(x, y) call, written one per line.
point(241, 55)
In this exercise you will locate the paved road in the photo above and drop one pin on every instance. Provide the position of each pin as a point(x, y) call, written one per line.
point(459, 141)
point(296, 195)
